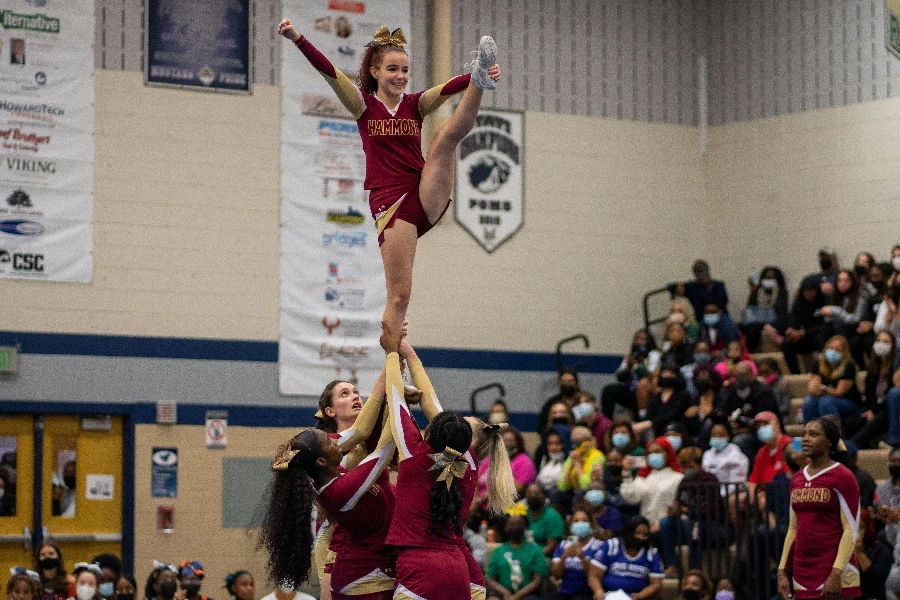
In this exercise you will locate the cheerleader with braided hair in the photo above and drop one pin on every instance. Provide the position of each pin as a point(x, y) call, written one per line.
point(407, 193)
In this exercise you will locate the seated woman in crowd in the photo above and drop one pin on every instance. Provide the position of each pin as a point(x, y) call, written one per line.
point(696, 585)
point(677, 348)
point(806, 329)
point(613, 476)
point(832, 384)
point(545, 523)
point(656, 484)
point(888, 316)
point(586, 413)
point(666, 406)
point(551, 465)
point(844, 311)
point(499, 412)
point(517, 567)
point(681, 312)
point(767, 306)
point(522, 468)
point(734, 356)
point(628, 563)
point(881, 377)
point(725, 460)
point(718, 329)
point(572, 559)
point(635, 375)
point(621, 437)
point(605, 519)
point(561, 420)
point(699, 417)
point(579, 466)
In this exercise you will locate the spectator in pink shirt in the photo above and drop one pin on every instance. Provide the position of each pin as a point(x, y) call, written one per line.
point(523, 469)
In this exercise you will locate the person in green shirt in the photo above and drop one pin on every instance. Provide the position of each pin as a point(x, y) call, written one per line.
point(517, 568)
point(545, 523)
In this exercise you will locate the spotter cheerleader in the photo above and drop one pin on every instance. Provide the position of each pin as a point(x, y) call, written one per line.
point(407, 193)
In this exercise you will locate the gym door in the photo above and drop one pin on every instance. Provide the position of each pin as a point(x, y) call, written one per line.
point(62, 479)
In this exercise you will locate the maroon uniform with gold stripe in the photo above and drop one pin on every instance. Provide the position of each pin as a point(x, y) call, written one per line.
point(825, 512)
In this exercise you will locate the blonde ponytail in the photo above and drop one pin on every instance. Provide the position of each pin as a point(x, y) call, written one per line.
point(500, 482)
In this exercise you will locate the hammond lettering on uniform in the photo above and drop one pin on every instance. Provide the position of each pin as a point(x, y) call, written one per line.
point(393, 127)
point(821, 495)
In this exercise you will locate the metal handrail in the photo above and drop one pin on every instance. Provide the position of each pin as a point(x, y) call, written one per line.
point(23, 538)
point(483, 388)
point(86, 537)
point(564, 341)
point(647, 296)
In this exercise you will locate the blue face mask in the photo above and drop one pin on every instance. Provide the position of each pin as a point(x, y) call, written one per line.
point(725, 595)
point(107, 589)
point(718, 444)
point(621, 440)
point(833, 356)
point(580, 529)
point(595, 497)
point(701, 358)
point(765, 433)
point(711, 320)
point(656, 461)
point(675, 441)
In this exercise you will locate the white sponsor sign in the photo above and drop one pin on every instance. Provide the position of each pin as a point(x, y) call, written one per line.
point(489, 178)
point(46, 139)
point(332, 278)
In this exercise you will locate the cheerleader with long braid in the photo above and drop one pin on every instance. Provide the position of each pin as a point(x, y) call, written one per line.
point(408, 194)
point(486, 440)
point(361, 502)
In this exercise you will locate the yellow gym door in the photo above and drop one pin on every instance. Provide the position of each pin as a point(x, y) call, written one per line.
point(78, 492)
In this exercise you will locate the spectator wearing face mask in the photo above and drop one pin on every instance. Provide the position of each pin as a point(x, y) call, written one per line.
point(606, 519)
point(635, 377)
point(888, 318)
point(622, 438)
point(881, 373)
point(580, 465)
point(767, 306)
point(563, 430)
point(696, 585)
point(545, 523)
point(681, 312)
point(702, 290)
point(828, 270)
point(806, 329)
point(55, 583)
point(701, 415)
point(572, 560)
point(832, 384)
point(702, 359)
point(769, 460)
point(110, 573)
point(568, 388)
point(725, 460)
point(613, 476)
point(769, 374)
point(734, 356)
point(667, 406)
point(741, 402)
point(844, 311)
point(677, 348)
point(585, 413)
point(517, 567)
point(718, 330)
point(551, 465)
point(655, 486)
point(126, 588)
point(628, 563)
point(86, 577)
point(499, 413)
point(190, 576)
point(162, 583)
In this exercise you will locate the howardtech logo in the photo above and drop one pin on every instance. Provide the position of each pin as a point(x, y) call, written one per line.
point(13, 20)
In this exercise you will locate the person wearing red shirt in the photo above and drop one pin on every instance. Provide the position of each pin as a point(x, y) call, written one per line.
point(769, 459)
point(407, 193)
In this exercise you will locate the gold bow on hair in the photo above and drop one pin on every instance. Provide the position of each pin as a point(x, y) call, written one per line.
point(452, 463)
point(495, 427)
point(384, 37)
point(283, 460)
point(517, 510)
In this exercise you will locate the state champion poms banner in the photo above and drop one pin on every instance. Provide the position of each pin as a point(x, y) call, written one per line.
point(332, 278)
point(46, 139)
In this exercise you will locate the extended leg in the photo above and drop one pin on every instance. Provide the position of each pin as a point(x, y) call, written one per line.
point(398, 253)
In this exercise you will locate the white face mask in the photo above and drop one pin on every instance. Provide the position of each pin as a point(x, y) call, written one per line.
point(895, 262)
point(85, 592)
point(881, 348)
point(769, 284)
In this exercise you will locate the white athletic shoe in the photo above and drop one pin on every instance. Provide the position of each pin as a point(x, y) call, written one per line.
point(487, 58)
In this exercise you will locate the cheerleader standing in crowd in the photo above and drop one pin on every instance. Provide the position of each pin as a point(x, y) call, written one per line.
point(487, 440)
point(240, 585)
point(824, 521)
point(360, 501)
point(427, 524)
point(23, 584)
point(407, 193)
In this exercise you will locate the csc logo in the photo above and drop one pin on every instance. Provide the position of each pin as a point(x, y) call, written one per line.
point(23, 262)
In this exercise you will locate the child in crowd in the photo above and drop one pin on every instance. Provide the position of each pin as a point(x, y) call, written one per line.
point(239, 585)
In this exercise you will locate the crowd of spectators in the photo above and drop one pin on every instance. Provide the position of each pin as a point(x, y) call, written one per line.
point(686, 454)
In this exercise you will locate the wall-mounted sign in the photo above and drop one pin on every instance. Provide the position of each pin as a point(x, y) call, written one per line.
point(164, 473)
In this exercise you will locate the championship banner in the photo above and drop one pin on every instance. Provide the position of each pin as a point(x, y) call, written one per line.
point(489, 178)
point(47, 138)
point(332, 278)
point(199, 44)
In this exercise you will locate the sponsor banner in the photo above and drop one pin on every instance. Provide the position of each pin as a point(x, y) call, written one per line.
point(489, 178)
point(332, 278)
point(201, 45)
point(46, 139)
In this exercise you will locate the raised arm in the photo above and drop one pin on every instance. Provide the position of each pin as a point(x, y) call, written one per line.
point(367, 418)
point(432, 99)
point(346, 91)
point(429, 402)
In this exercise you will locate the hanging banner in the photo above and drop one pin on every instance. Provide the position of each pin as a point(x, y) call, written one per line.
point(892, 26)
point(332, 278)
point(46, 139)
point(489, 178)
point(199, 44)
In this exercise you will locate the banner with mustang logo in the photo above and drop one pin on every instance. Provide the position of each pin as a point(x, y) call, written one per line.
point(46, 139)
point(332, 279)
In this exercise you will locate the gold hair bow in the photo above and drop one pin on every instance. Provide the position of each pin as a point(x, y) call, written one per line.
point(452, 463)
point(384, 37)
point(283, 460)
point(495, 427)
point(841, 446)
point(319, 415)
point(517, 510)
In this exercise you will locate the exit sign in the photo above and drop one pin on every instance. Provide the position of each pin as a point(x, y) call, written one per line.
point(9, 359)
